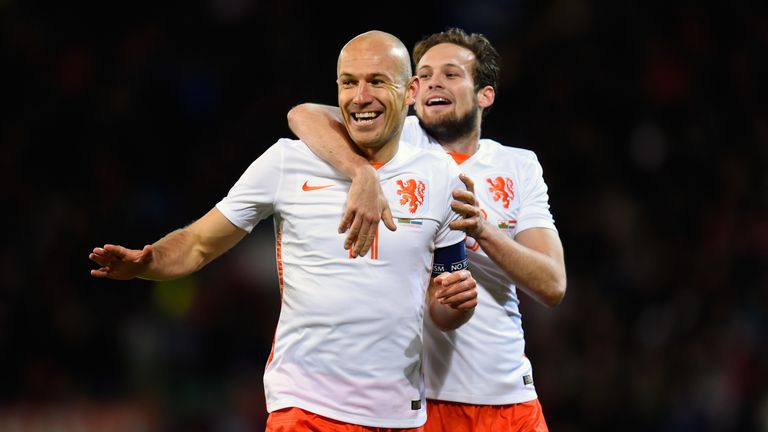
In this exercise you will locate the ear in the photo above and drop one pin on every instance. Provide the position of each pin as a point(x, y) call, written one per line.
point(486, 96)
point(413, 89)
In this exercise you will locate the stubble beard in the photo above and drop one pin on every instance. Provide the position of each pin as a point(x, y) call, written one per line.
point(450, 128)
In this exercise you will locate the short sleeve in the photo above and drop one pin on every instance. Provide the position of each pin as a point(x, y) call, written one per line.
point(252, 198)
point(534, 208)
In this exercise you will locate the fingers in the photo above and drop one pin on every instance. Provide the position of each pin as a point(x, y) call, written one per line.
point(389, 221)
point(462, 225)
point(346, 221)
point(99, 259)
point(102, 257)
point(465, 196)
point(352, 234)
point(448, 278)
point(362, 232)
point(466, 210)
point(365, 239)
point(457, 289)
point(467, 182)
point(100, 273)
point(471, 221)
point(462, 301)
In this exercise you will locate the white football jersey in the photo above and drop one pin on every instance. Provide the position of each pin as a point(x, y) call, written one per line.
point(348, 343)
point(483, 362)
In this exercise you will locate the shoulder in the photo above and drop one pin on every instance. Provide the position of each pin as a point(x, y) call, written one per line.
point(496, 149)
point(516, 158)
point(290, 144)
point(290, 149)
point(433, 158)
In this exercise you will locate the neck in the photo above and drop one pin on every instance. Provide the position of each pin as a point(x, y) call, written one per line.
point(381, 154)
point(467, 144)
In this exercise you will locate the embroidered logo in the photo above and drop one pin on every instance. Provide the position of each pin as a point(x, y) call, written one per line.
point(306, 187)
point(502, 189)
point(412, 193)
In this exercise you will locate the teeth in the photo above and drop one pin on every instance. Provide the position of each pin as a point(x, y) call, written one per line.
point(437, 100)
point(365, 115)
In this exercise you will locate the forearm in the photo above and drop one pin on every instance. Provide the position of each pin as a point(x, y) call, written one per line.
point(321, 128)
point(447, 318)
point(174, 256)
point(189, 249)
point(539, 274)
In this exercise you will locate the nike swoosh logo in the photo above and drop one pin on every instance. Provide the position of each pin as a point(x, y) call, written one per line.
point(306, 187)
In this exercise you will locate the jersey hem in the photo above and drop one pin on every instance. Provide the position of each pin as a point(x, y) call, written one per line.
point(508, 399)
point(347, 418)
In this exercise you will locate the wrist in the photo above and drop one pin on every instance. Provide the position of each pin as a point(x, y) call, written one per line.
point(482, 232)
point(363, 170)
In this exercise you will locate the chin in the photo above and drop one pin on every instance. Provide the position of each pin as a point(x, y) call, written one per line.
point(365, 142)
point(436, 117)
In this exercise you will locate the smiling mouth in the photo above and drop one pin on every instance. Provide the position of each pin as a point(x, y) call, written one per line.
point(365, 116)
point(437, 101)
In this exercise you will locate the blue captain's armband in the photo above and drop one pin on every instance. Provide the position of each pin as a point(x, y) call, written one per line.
point(450, 259)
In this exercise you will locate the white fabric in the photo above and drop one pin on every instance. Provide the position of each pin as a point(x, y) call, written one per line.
point(348, 342)
point(483, 362)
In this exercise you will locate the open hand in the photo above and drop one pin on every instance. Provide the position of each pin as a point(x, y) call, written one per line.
point(120, 263)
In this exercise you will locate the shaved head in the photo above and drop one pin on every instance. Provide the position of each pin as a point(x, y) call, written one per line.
point(379, 44)
point(375, 89)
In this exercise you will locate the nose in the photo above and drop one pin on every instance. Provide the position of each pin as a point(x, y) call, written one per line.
point(362, 94)
point(434, 83)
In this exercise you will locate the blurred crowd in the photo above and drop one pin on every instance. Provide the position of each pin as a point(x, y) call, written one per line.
point(126, 121)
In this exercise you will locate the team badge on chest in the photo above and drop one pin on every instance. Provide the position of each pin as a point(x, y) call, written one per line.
point(501, 190)
point(411, 194)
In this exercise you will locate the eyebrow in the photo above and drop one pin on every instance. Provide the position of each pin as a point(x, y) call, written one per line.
point(367, 77)
point(440, 66)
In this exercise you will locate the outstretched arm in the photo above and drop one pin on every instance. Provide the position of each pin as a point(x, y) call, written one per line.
point(321, 128)
point(179, 253)
point(533, 259)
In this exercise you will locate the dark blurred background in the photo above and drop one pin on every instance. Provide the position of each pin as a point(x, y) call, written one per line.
point(124, 121)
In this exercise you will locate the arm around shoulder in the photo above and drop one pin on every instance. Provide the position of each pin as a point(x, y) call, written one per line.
point(321, 128)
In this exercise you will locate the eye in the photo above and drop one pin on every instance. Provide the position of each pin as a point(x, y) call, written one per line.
point(425, 76)
point(377, 82)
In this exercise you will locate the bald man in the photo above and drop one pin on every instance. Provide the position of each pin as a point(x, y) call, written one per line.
point(347, 353)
